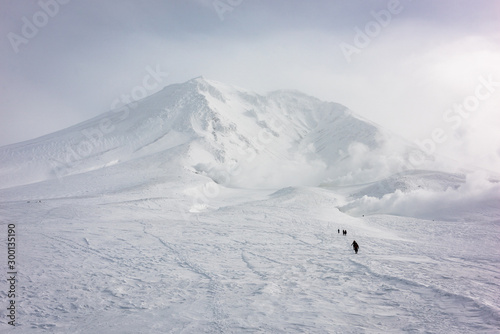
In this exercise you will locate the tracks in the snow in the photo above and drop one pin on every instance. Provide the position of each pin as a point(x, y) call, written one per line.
point(215, 287)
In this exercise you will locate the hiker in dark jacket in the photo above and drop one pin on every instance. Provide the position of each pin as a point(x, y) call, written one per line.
point(355, 246)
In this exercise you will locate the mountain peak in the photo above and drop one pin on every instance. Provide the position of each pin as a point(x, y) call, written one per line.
point(202, 83)
point(200, 78)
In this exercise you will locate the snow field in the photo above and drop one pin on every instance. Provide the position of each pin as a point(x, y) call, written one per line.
point(275, 264)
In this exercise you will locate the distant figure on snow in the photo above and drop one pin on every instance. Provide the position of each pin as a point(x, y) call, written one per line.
point(344, 232)
point(338, 230)
point(355, 246)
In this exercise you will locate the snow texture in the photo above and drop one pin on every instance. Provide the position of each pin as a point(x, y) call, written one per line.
point(206, 208)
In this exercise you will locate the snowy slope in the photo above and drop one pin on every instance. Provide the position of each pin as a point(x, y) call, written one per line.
point(131, 262)
point(206, 208)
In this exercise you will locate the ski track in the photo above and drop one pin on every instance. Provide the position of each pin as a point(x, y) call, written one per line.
point(256, 268)
point(215, 289)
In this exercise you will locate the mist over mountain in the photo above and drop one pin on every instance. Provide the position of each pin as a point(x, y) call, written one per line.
point(236, 137)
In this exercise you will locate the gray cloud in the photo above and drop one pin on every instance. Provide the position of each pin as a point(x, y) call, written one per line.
point(427, 57)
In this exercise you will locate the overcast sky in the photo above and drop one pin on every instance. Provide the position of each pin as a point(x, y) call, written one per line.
point(418, 68)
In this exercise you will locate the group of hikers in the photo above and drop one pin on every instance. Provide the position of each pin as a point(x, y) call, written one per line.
point(354, 244)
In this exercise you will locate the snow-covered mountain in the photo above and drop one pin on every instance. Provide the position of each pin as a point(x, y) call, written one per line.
point(206, 208)
point(204, 131)
point(235, 137)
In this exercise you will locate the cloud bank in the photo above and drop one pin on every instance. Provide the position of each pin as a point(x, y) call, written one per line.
point(478, 194)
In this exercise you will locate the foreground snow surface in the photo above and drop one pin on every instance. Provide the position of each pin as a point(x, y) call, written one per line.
point(254, 262)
